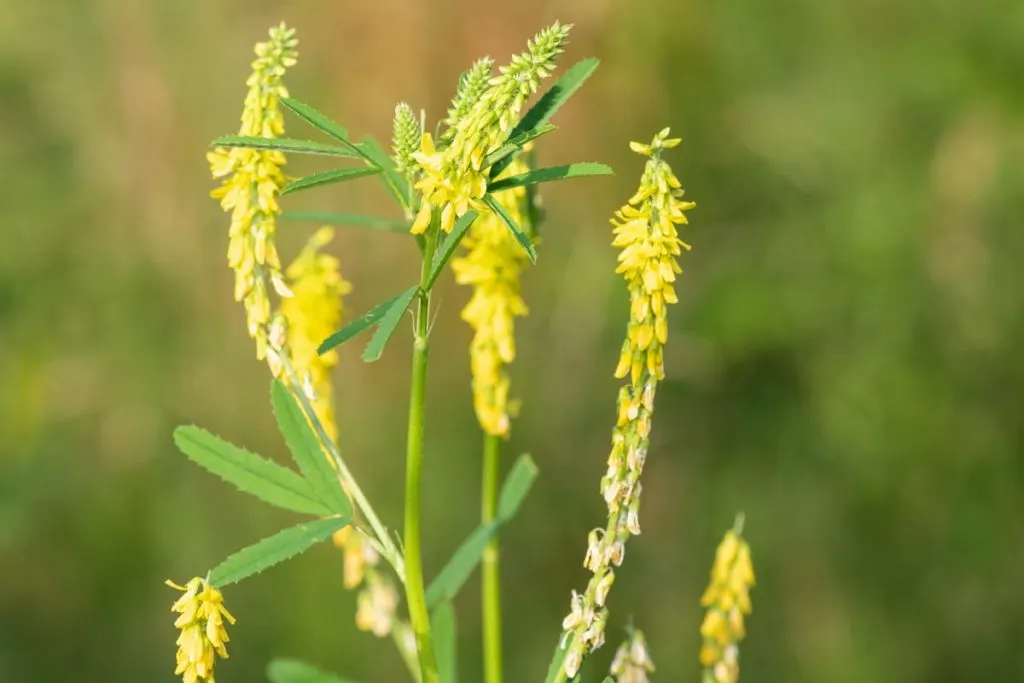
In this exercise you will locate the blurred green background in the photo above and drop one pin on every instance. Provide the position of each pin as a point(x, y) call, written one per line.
point(846, 364)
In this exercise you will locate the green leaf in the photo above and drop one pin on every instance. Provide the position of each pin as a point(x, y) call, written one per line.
point(517, 485)
point(559, 93)
point(337, 175)
point(445, 642)
point(500, 158)
point(317, 119)
point(306, 450)
point(462, 563)
point(542, 175)
point(388, 322)
point(394, 181)
point(283, 145)
point(360, 220)
point(456, 572)
point(274, 549)
point(251, 473)
point(557, 659)
point(442, 257)
point(521, 237)
point(365, 321)
point(284, 670)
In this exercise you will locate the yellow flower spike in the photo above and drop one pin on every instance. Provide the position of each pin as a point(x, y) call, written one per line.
point(728, 601)
point(252, 181)
point(644, 231)
point(455, 179)
point(203, 635)
point(492, 265)
point(311, 314)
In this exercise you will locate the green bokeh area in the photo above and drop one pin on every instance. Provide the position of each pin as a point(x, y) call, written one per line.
point(845, 365)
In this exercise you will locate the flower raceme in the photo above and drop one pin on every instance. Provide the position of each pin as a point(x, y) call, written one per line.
point(310, 314)
point(203, 635)
point(632, 662)
point(252, 181)
point(728, 600)
point(491, 265)
point(646, 234)
point(454, 178)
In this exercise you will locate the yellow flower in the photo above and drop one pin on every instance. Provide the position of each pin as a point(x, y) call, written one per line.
point(728, 601)
point(311, 314)
point(455, 179)
point(645, 232)
point(201, 621)
point(252, 181)
point(492, 265)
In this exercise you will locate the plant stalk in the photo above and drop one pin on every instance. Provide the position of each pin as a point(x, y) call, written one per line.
point(490, 573)
point(414, 591)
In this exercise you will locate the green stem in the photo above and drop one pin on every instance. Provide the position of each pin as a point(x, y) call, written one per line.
point(491, 578)
point(414, 592)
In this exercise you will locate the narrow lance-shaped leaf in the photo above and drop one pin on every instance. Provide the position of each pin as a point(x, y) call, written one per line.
point(500, 158)
point(517, 484)
point(557, 661)
point(317, 119)
point(296, 671)
point(542, 175)
point(306, 450)
point(337, 175)
point(387, 325)
point(517, 232)
point(274, 549)
point(249, 472)
point(355, 219)
point(394, 181)
point(445, 636)
point(456, 572)
point(450, 245)
point(284, 145)
point(557, 95)
point(365, 321)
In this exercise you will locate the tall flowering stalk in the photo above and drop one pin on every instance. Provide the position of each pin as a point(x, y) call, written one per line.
point(645, 231)
point(252, 181)
point(492, 264)
point(727, 600)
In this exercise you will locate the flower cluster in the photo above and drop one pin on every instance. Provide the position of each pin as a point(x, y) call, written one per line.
point(632, 662)
point(405, 137)
point(492, 265)
point(310, 315)
point(646, 234)
point(728, 600)
point(472, 84)
point(377, 600)
point(455, 178)
point(252, 181)
point(203, 635)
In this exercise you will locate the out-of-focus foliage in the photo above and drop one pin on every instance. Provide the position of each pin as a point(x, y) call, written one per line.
point(847, 363)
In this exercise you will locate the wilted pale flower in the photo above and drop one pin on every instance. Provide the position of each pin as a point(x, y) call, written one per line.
point(203, 636)
point(645, 232)
point(728, 601)
point(491, 265)
point(252, 181)
point(632, 663)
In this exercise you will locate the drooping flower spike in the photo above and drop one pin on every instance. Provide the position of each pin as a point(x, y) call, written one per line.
point(203, 635)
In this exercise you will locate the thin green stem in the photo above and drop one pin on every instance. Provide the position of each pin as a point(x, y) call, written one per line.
point(490, 575)
point(384, 542)
point(414, 591)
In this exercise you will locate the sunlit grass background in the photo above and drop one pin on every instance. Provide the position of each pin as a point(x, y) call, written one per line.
point(846, 365)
